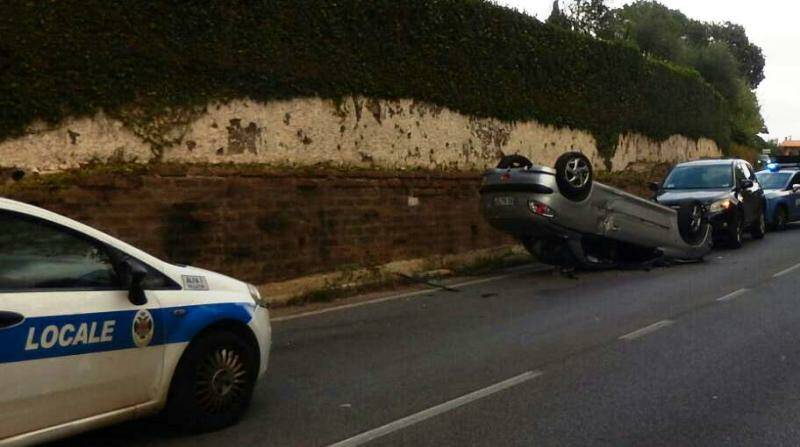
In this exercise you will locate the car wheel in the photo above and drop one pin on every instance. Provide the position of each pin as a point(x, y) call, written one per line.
point(736, 231)
point(213, 384)
point(780, 219)
point(759, 228)
point(692, 223)
point(574, 176)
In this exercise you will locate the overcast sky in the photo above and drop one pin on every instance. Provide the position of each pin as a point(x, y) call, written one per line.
point(771, 24)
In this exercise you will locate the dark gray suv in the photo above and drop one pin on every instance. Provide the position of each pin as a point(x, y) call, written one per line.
point(729, 190)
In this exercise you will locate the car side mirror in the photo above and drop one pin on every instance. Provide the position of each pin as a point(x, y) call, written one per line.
point(132, 274)
point(654, 186)
point(746, 183)
point(796, 187)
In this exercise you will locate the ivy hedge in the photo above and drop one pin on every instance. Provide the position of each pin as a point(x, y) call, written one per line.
point(62, 58)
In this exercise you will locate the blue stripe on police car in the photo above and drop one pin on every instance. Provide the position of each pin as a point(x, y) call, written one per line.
point(66, 335)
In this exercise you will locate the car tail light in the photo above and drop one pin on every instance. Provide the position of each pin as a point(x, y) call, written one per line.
point(540, 209)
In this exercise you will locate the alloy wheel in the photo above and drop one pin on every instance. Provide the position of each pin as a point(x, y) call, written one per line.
point(696, 220)
point(780, 221)
point(221, 381)
point(577, 172)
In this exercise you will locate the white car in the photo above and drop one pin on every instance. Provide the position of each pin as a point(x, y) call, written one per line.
point(94, 332)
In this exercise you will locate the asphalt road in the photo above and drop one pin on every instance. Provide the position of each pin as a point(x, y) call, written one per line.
point(704, 354)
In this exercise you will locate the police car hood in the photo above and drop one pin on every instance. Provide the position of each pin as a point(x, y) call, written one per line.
point(194, 278)
point(773, 193)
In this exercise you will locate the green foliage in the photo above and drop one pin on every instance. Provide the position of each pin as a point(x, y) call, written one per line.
point(62, 58)
point(746, 120)
point(590, 16)
point(654, 29)
point(762, 144)
point(558, 18)
point(721, 53)
point(667, 34)
point(750, 57)
point(717, 66)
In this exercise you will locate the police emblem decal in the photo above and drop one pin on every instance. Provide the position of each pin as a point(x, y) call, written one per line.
point(143, 328)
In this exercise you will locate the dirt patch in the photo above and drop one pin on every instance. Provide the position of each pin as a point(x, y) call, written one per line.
point(635, 181)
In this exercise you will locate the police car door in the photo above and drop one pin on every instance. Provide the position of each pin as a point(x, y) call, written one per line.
point(71, 343)
point(794, 198)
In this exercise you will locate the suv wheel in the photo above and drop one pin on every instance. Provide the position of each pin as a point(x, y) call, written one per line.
point(759, 228)
point(736, 231)
point(692, 224)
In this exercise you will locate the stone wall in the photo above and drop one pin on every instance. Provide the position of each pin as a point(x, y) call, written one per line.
point(264, 226)
point(272, 192)
point(355, 133)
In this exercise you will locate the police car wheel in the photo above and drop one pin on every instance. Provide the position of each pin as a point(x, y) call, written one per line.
point(759, 228)
point(780, 219)
point(213, 384)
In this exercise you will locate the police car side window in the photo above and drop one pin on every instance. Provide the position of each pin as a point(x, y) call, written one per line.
point(795, 180)
point(38, 256)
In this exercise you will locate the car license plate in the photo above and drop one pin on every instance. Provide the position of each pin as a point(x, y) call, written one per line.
point(504, 201)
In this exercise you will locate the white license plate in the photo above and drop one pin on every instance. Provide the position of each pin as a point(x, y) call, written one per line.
point(504, 201)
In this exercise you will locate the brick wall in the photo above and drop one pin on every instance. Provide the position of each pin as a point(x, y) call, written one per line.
point(269, 226)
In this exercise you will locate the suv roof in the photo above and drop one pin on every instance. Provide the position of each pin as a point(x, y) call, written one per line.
point(709, 162)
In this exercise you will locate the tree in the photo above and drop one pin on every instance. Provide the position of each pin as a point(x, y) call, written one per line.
point(558, 18)
point(654, 29)
point(720, 52)
point(750, 56)
point(746, 119)
point(591, 17)
point(718, 66)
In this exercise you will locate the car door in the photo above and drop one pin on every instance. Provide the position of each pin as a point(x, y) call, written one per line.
point(794, 198)
point(750, 196)
point(71, 343)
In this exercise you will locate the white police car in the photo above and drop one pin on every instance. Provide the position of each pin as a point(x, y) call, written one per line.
point(94, 331)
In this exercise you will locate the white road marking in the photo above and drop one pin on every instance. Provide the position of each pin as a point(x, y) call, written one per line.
point(646, 330)
point(391, 298)
point(733, 295)
point(789, 270)
point(416, 418)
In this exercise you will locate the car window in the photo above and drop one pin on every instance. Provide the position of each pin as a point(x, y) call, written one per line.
point(773, 180)
point(795, 180)
point(35, 255)
point(699, 177)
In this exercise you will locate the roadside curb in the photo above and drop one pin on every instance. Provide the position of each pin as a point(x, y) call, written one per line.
point(454, 284)
point(354, 280)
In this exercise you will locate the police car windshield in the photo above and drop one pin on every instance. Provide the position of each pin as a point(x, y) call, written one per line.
point(700, 177)
point(773, 180)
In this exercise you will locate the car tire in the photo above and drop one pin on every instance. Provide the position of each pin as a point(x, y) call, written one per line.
point(759, 227)
point(213, 383)
point(574, 176)
point(692, 222)
point(781, 219)
point(514, 162)
point(736, 231)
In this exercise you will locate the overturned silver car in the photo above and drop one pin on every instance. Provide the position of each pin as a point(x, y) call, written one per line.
point(565, 218)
